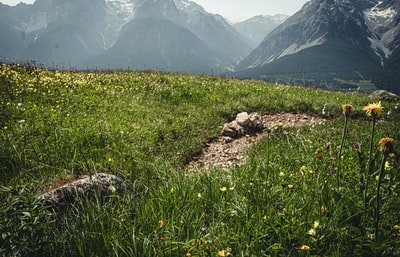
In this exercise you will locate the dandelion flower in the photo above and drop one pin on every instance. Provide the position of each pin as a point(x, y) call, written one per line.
point(374, 109)
point(312, 232)
point(290, 186)
point(304, 248)
point(316, 224)
point(396, 227)
point(161, 223)
point(222, 253)
point(386, 145)
point(223, 189)
point(388, 166)
point(347, 109)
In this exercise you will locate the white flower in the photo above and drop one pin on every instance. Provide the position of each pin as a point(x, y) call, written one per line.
point(22, 123)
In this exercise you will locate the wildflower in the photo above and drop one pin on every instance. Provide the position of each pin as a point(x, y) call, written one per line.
point(323, 209)
point(312, 232)
point(223, 189)
point(303, 169)
point(316, 224)
point(396, 227)
point(222, 253)
point(290, 186)
point(232, 188)
point(161, 223)
point(386, 145)
point(281, 174)
point(199, 195)
point(374, 109)
point(22, 123)
point(318, 153)
point(328, 147)
point(371, 236)
point(357, 146)
point(388, 166)
point(347, 109)
point(188, 255)
point(304, 248)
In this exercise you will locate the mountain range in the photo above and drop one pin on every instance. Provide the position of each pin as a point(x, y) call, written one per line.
point(171, 35)
point(332, 44)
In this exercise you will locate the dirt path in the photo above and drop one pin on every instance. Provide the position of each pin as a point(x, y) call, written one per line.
point(225, 152)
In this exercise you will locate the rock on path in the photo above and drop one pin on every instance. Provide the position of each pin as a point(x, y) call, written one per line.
point(241, 134)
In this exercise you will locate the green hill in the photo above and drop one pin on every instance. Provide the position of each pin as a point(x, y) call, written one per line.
point(299, 193)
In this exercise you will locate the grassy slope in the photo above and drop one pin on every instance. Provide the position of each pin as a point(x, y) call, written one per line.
point(146, 126)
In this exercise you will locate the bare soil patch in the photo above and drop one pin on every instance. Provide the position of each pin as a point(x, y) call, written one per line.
point(225, 152)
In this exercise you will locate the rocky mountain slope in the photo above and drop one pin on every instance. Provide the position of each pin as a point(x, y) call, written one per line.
point(339, 43)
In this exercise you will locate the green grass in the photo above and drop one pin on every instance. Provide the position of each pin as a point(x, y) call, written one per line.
point(287, 200)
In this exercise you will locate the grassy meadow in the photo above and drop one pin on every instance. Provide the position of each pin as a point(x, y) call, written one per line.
point(323, 190)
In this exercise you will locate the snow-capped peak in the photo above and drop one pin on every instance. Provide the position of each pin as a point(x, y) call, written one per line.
point(124, 7)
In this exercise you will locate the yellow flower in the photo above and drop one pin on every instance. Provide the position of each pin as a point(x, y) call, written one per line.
point(290, 186)
point(223, 189)
point(304, 248)
point(396, 227)
point(161, 223)
point(222, 253)
point(386, 145)
point(346, 109)
point(312, 232)
point(188, 255)
point(388, 166)
point(374, 109)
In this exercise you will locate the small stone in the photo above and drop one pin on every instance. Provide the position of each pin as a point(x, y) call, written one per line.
point(243, 119)
point(233, 130)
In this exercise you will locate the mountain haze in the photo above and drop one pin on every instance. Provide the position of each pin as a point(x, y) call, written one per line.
point(78, 33)
point(258, 27)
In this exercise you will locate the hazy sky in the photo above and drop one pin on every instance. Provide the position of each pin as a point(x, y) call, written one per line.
point(234, 9)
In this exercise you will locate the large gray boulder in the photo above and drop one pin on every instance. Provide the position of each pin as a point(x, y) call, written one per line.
point(384, 95)
point(101, 184)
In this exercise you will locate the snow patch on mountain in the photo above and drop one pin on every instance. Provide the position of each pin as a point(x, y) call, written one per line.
point(189, 6)
point(293, 49)
point(123, 8)
point(34, 23)
point(379, 21)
